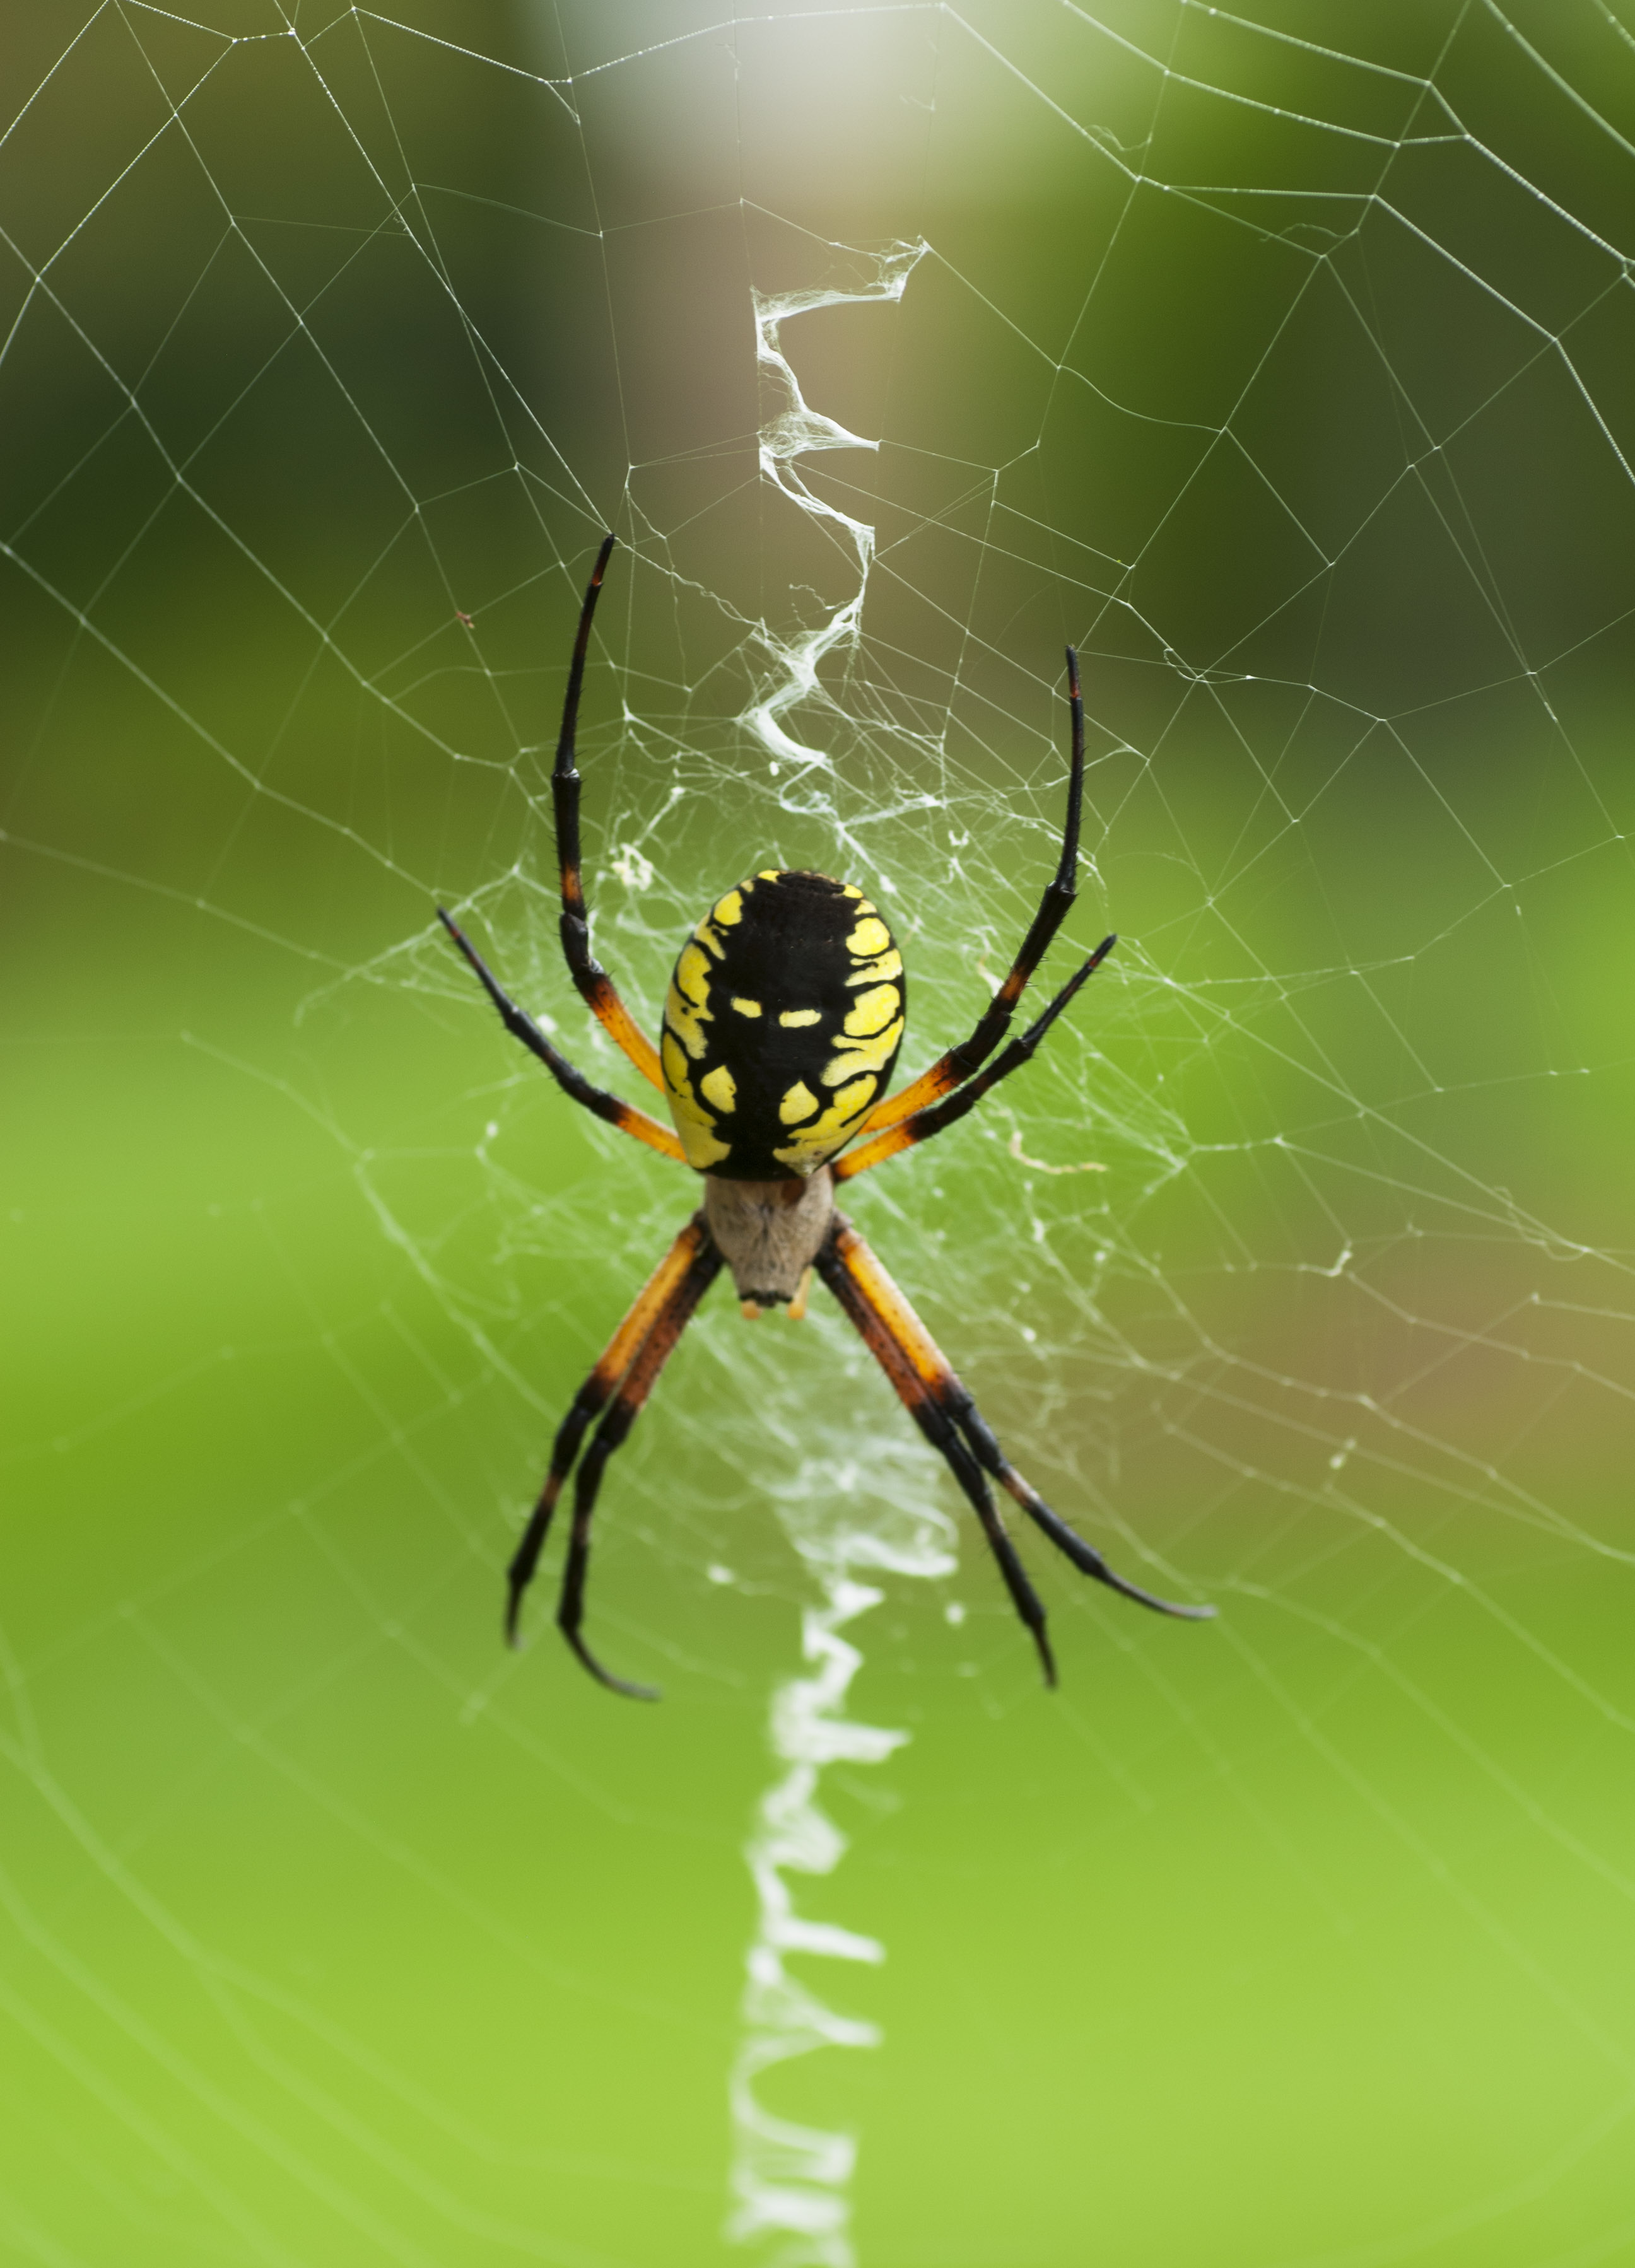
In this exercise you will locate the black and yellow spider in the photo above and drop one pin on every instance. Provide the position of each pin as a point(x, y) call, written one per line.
point(782, 1023)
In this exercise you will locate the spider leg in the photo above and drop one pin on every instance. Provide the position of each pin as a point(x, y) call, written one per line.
point(1084, 1555)
point(836, 1265)
point(595, 986)
point(522, 1026)
point(616, 1358)
point(923, 1377)
point(953, 1068)
point(925, 1124)
point(674, 1313)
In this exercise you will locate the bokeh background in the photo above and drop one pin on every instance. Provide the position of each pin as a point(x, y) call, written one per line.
point(1280, 359)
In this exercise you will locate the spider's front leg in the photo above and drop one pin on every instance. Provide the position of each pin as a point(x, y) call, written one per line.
point(624, 1377)
point(946, 1414)
point(597, 1390)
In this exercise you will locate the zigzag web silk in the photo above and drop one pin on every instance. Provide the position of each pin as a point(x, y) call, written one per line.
point(789, 2179)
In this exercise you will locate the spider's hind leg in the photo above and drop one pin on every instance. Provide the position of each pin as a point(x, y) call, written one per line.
point(595, 987)
point(522, 1026)
point(952, 1069)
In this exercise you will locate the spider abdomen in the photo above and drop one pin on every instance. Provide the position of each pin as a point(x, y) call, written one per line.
point(783, 1021)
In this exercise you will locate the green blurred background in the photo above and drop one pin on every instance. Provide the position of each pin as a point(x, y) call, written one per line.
point(1281, 360)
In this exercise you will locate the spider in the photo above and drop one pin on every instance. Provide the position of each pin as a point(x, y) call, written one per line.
point(781, 1027)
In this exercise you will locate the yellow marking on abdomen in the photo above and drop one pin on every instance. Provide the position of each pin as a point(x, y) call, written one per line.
point(681, 1018)
point(792, 1018)
point(719, 1089)
point(889, 964)
point(746, 1007)
point(692, 973)
point(729, 910)
point(853, 1099)
point(863, 1055)
point(869, 937)
point(699, 1140)
point(798, 1102)
point(873, 1010)
point(684, 1006)
point(813, 1144)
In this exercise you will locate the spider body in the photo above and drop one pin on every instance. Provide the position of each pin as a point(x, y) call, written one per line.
point(770, 1234)
point(781, 1027)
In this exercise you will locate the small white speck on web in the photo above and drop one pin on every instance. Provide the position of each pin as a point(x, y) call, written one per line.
point(491, 1130)
point(718, 1573)
point(955, 1612)
point(632, 869)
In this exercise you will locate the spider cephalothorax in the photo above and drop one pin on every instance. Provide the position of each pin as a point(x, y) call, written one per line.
point(781, 1026)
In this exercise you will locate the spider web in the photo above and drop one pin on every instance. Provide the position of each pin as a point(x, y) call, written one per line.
point(1276, 359)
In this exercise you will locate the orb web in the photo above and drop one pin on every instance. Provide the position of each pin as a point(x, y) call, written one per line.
point(1281, 374)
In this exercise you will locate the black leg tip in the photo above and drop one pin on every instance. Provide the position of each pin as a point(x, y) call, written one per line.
point(1173, 1608)
point(626, 1687)
point(622, 1685)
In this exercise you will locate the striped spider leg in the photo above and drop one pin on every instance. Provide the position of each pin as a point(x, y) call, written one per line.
point(957, 1064)
point(522, 1026)
point(938, 1116)
point(945, 1412)
point(595, 986)
point(624, 1377)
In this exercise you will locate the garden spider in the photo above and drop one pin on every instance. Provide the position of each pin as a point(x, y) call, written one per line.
point(781, 1027)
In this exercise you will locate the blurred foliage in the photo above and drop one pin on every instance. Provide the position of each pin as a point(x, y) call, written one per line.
point(1283, 369)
